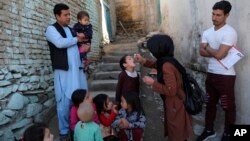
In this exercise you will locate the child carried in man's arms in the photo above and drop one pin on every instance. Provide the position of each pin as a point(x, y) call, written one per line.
point(83, 26)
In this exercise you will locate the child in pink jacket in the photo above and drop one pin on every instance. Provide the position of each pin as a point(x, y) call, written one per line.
point(78, 97)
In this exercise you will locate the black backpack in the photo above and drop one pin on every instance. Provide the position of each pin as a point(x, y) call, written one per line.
point(194, 95)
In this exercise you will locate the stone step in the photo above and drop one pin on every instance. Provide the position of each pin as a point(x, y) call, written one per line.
point(122, 53)
point(111, 94)
point(107, 67)
point(106, 75)
point(121, 47)
point(111, 59)
point(100, 85)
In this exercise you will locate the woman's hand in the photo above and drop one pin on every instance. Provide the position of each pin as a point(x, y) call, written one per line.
point(148, 80)
point(139, 58)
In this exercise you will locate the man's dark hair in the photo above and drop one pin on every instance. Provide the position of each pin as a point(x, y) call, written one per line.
point(82, 14)
point(59, 7)
point(223, 5)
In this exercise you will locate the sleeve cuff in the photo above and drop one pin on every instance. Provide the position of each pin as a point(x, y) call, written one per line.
point(75, 39)
point(228, 44)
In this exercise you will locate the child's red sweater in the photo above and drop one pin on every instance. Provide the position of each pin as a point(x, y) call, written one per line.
point(107, 120)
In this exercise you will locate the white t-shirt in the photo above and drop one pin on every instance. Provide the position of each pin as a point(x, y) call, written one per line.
point(225, 35)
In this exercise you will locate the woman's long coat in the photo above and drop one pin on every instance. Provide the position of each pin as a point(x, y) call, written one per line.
point(178, 123)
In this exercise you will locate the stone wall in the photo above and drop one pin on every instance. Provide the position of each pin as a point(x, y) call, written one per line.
point(26, 77)
point(186, 20)
point(151, 17)
point(140, 16)
point(132, 15)
point(111, 4)
point(93, 6)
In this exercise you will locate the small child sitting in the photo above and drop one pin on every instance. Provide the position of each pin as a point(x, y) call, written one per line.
point(130, 121)
point(86, 129)
point(106, 112)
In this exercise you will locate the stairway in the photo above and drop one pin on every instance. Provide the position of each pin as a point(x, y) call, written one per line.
point(104, 79)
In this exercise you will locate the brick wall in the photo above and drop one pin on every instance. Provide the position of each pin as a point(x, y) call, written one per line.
point(92, 7)
point(26, 79)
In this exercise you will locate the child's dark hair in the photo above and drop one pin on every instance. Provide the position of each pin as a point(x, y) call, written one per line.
point(82, 14)
point(78, 96)
point(111, 138)
point(132, 98)
point(59, 7)
point(122, 61)
point(223, 5)
point(100, 101)
point(35, 132)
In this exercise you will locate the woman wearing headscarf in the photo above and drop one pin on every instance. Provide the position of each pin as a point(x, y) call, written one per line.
point(178, 124)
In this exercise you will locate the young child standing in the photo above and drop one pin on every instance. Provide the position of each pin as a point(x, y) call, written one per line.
point(106, 112)
point(78, 97)
point(86, 129)
point(128, 79)
point(83, 26)
point(130, 121)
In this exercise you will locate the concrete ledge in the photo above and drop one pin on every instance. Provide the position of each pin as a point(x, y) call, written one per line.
point(111, 59)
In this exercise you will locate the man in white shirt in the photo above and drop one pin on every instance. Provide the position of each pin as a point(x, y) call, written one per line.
point(215, 44)
point(68, 69)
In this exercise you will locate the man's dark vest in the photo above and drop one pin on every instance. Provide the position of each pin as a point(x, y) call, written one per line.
point(59, 57)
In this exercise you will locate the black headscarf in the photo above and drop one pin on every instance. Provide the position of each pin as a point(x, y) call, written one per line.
point(162, 48)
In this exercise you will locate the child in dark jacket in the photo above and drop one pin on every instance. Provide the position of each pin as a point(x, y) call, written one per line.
point(128, 79)
point(83, 26)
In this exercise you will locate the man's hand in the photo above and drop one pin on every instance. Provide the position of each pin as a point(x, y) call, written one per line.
point(80, 37)
point(218, 53)
point(203, 51)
